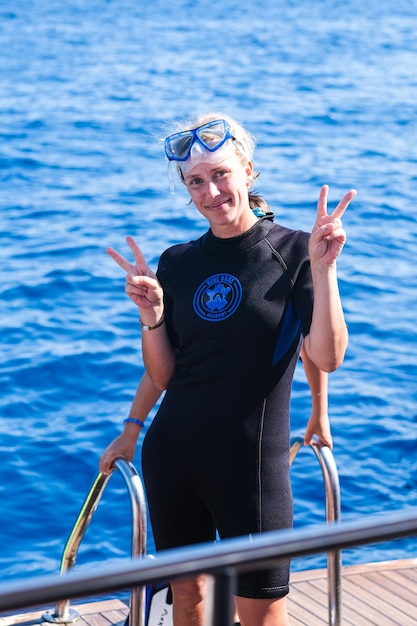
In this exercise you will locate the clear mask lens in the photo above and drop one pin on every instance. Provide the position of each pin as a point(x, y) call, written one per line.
point(212, 137)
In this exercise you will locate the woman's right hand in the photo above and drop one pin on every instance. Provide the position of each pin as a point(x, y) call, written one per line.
point(123, 447)
point(142, 286)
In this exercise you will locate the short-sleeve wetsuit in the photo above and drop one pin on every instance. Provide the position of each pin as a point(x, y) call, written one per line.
point(216, 455)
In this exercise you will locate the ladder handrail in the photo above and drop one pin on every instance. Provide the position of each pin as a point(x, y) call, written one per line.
point(333, 507)
point(63, 613)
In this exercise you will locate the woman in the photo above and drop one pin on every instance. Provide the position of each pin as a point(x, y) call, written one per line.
point(223, 323)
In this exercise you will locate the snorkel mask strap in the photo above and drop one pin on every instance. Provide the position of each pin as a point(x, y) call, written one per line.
point(171, 180)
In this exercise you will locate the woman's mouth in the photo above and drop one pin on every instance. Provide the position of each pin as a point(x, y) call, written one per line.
point(219, 204)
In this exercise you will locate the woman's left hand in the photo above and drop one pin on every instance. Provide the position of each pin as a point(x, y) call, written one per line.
point(319, 425)
point(328, 237)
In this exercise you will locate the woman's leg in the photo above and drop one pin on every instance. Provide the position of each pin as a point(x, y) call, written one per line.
point(188, 596)
point(268, 612)
point(187, 601)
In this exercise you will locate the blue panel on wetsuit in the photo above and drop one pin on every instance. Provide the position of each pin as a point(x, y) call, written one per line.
point(290, 329)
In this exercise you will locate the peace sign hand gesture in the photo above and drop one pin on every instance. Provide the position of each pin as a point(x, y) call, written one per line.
point(328, 237)
point(142, 286)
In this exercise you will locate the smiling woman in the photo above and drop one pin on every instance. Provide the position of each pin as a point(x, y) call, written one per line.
point(220, 193)
point(215, 163)
point(219, 444)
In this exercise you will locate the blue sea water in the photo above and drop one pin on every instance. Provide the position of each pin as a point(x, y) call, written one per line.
point(87, 90)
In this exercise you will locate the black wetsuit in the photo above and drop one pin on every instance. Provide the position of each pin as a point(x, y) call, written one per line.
point(216, 454)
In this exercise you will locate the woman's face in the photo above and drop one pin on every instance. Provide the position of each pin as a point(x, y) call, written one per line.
point(219, 191)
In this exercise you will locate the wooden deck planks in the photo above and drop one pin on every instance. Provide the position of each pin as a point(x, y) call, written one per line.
point(377, 594)
point(105, 613)
point(380, 594)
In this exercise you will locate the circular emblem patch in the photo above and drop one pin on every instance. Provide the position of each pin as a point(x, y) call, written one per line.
point(218, 297)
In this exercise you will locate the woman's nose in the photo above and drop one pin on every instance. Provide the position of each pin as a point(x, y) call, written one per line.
point(212, 189)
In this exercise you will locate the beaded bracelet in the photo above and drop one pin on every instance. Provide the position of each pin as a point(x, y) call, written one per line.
point(146, 327)
point(133, 420)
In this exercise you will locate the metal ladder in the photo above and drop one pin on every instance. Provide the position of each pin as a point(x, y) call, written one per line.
point(63, 614)
point(332, 492)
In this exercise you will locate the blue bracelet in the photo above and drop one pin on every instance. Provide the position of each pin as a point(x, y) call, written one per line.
point(134, 421)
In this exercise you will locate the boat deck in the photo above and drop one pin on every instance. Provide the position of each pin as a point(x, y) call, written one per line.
point(380, 594)
point(105, 613)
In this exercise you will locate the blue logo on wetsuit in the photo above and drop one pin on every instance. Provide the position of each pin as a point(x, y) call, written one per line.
point(218, 297)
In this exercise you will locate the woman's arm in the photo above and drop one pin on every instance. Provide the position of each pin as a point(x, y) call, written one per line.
point(144, 290)
point(124, 445)
point(327, 340)
point(319, 423)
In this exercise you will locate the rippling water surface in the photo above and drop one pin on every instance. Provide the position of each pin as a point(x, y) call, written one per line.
point(87, 92)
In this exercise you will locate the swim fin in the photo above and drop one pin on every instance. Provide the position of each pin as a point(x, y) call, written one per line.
point(159, 605)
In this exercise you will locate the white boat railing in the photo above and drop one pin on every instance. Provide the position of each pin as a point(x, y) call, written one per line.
point(223, 561)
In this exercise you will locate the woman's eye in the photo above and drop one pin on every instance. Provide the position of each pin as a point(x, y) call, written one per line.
point(195, 181)
point(221, 173)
